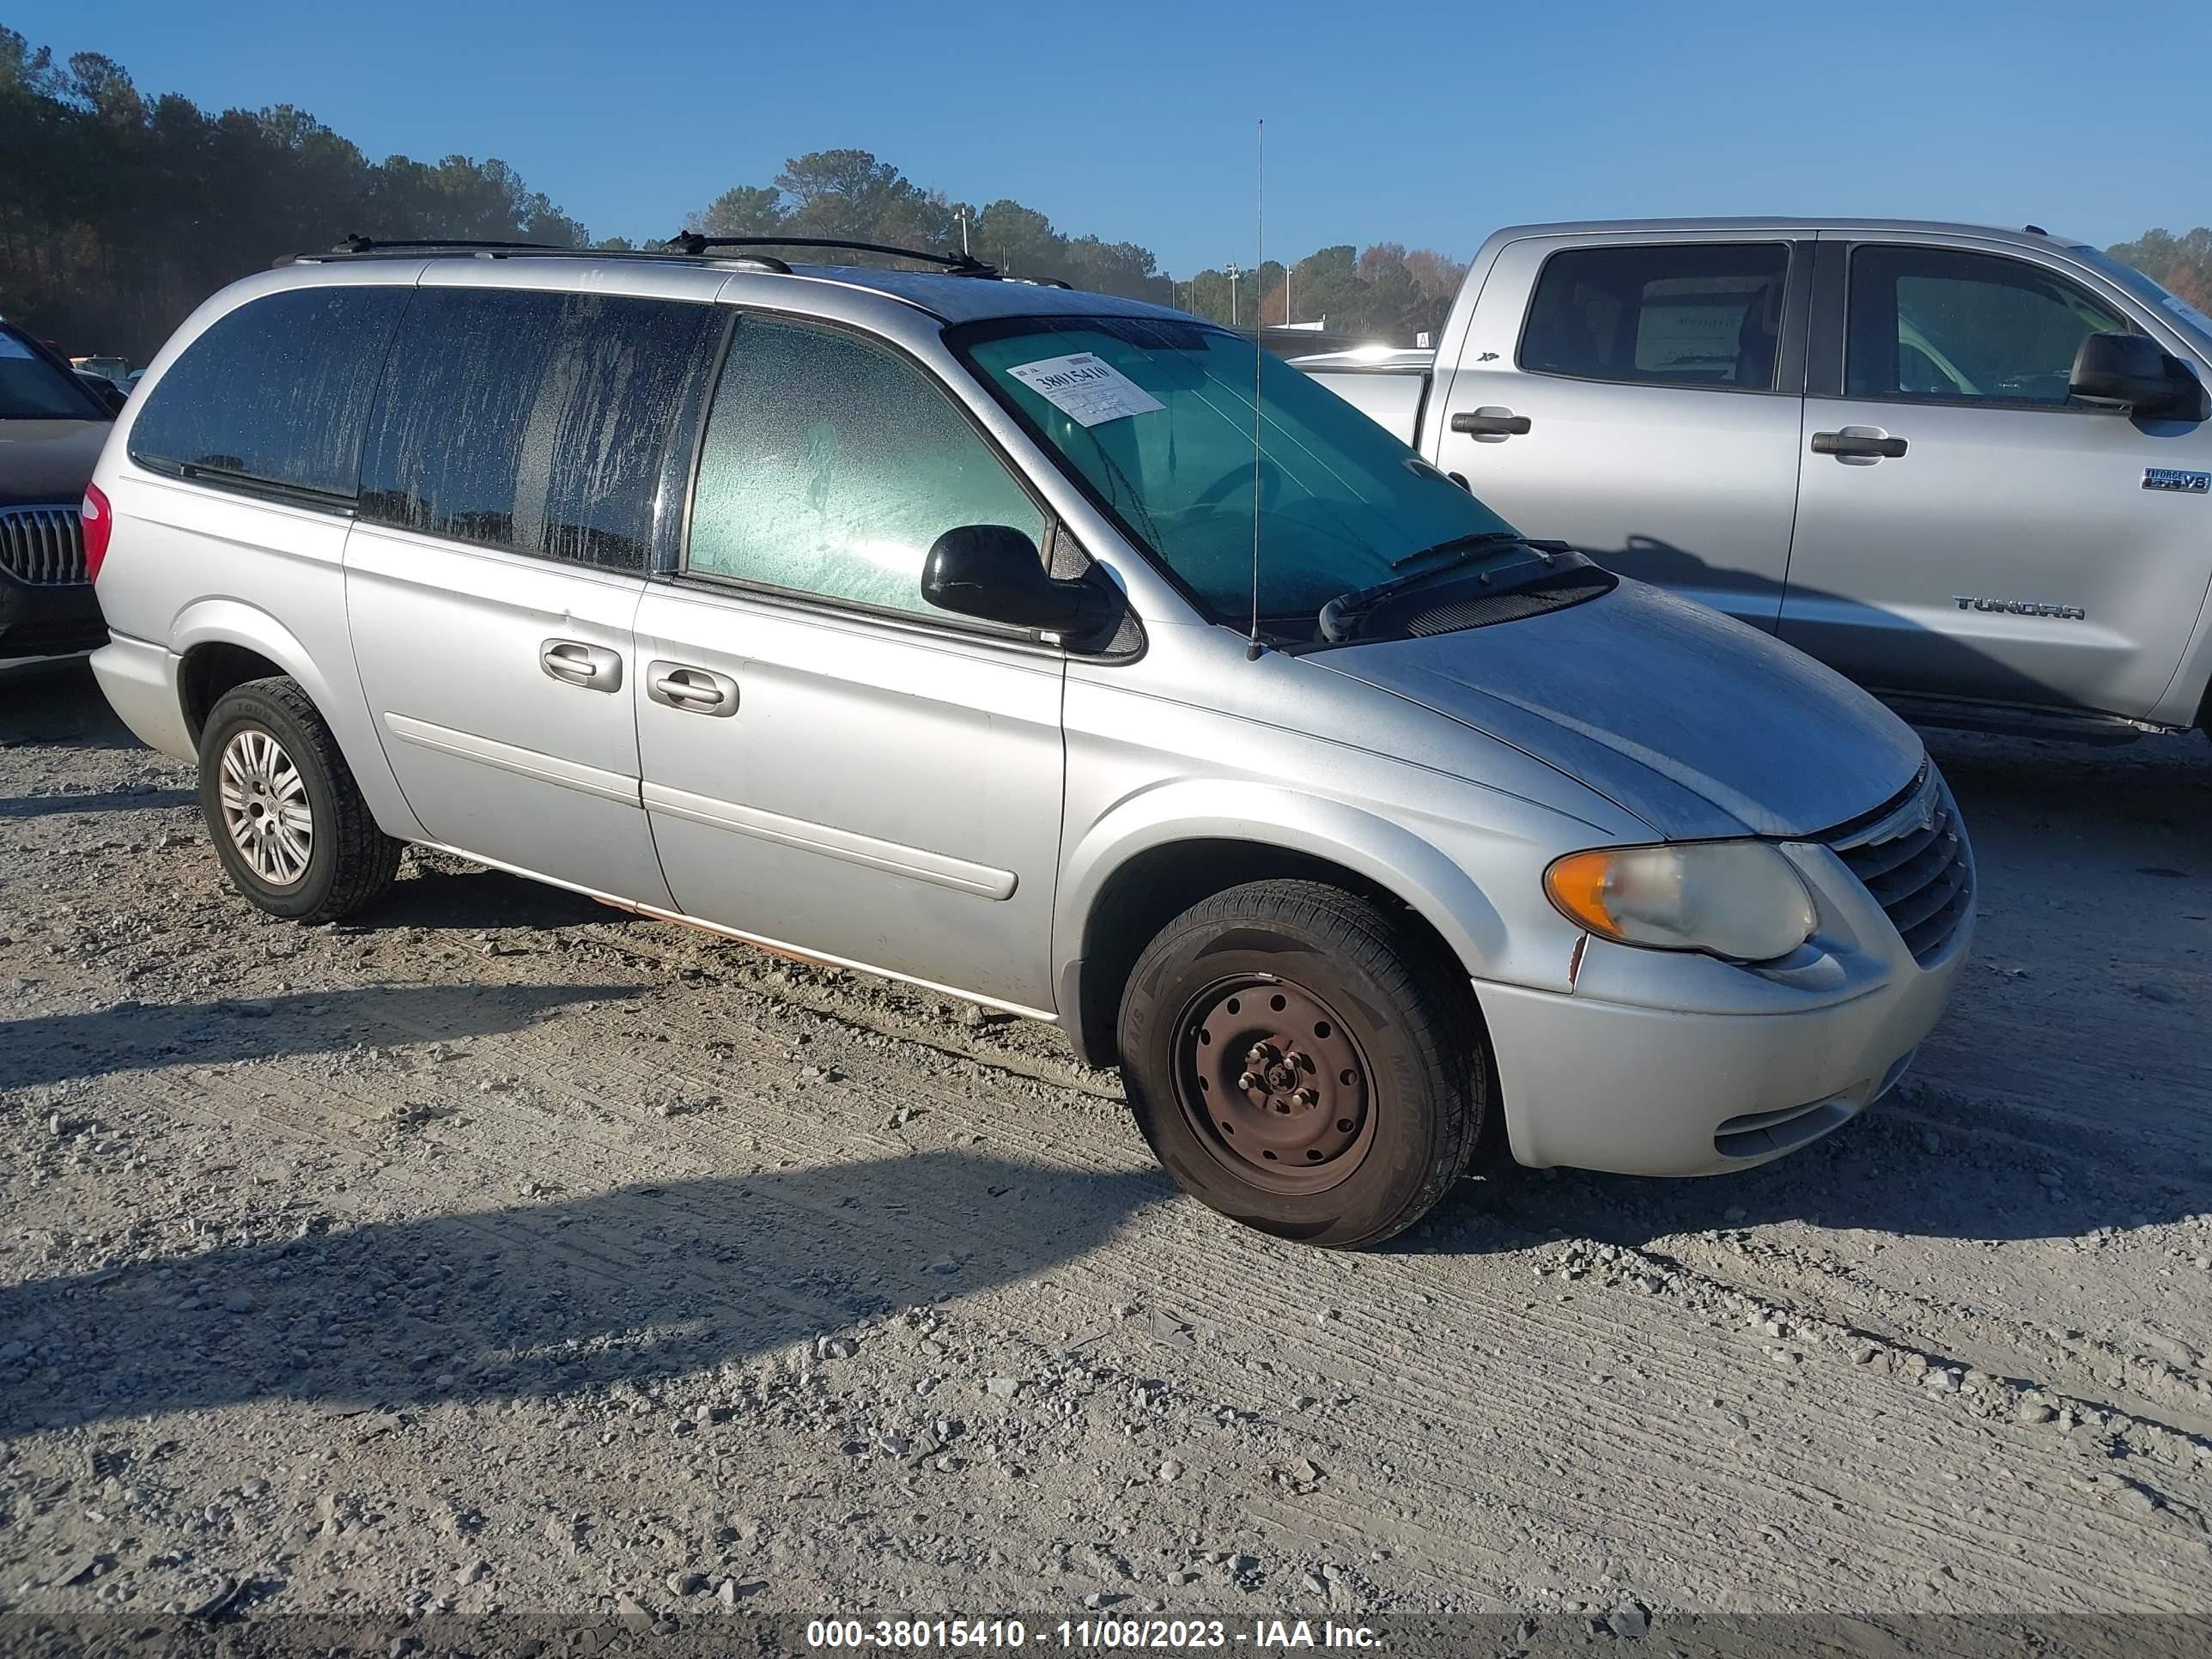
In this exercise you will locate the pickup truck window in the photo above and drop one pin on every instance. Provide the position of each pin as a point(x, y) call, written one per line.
point(1163, 440)
point(831, 464)
point(1698, 314)
point(1938, 324)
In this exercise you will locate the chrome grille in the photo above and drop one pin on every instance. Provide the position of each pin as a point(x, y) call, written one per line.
point(42, 545)
point(1913, 857)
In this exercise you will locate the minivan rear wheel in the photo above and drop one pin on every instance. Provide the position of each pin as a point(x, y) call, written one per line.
point(1302, 1061)
point(289, 824)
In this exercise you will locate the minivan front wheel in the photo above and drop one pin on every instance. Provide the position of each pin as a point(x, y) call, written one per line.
point(1301, 1060)
point(289, 824)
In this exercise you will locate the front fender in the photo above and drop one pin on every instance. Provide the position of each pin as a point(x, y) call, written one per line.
point(337, 697)
point(1383, 851)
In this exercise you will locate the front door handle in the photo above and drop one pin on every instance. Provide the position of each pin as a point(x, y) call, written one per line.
point(592, 666)
point(1490, 422)
point(694, 691)
point(1868, 443)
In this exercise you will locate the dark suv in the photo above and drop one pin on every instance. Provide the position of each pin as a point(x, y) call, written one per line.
point(51, 426)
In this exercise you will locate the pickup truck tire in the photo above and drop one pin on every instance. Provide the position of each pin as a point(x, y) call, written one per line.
point(287, 822)
point(1304, 1063)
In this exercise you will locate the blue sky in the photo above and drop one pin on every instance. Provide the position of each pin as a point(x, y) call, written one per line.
point(1428, 124)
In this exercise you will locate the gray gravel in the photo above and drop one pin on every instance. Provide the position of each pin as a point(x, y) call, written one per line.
point(505, 1252)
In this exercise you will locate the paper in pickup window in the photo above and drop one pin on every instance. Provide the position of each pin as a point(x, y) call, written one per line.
point(1086, 389)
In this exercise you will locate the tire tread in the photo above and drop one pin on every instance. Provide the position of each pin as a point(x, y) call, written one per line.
point(368, 859)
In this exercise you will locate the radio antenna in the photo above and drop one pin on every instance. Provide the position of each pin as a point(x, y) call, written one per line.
point(1252, 647)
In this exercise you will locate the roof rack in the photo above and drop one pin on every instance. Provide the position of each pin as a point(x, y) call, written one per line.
point(365, 247)
point(958, 264)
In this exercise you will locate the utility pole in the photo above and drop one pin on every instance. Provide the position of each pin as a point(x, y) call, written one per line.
point(1289, 315)
point(1232, 293)
point(963, 216)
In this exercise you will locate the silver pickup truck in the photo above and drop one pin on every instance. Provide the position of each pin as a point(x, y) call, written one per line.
point(1972, 469)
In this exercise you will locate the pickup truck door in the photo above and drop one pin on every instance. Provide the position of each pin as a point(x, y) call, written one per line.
point(1964, 532)
point(1638, 396)
point(830, 765)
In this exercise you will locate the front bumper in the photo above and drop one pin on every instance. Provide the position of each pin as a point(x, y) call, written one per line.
point(1670, 1065)
point(48, 620)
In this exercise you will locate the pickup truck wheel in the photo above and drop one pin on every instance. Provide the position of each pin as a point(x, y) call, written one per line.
point(289, 825)
point(1299, 1062)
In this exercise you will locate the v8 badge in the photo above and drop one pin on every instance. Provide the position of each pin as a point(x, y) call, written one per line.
point(2187, 483)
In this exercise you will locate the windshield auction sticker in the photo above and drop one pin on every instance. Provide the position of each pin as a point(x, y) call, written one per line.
point(1088, 390)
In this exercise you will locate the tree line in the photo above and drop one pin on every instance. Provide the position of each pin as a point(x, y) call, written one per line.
point(121, 210)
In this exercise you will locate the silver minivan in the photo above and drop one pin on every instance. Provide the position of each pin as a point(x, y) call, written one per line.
point(1020, 643)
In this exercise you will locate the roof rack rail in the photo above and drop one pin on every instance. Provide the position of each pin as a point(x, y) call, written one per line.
point(958, 264)
point(358, 244)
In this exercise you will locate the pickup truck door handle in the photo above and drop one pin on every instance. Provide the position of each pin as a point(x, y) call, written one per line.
point(694, 691)
point(1490, 423)
point(592, 666)
point(1858, 442)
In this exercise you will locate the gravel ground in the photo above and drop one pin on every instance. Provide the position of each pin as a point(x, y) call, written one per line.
point(505, 1252)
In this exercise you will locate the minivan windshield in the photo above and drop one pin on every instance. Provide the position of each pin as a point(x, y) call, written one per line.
point(33, 389)
point(1155, 415)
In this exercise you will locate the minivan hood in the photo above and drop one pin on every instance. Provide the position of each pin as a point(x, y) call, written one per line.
point(48, 460)
point(1698, 724)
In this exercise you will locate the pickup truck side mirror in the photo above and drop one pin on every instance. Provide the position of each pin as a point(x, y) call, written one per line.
point(994, 572)
point(2131, 371)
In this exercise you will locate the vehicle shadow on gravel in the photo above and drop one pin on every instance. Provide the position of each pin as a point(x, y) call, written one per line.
point(132, 1036)
point(57, 703)
point(139, 800)
point(1889, 1172)
point(544, 1300)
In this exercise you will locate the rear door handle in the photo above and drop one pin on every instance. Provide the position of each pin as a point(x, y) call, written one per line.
point(1862, 443)
point(1490, 422)
point(694, 691)
point(592, 666)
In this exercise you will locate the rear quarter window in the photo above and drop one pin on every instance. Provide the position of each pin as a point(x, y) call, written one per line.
point(276, 393)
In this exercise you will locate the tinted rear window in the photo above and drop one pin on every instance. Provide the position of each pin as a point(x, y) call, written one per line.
point(278, 391)
point(1662, 314)
point(535, 421)
point(33, 389)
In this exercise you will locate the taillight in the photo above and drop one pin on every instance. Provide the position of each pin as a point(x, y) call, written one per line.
point(98, 526)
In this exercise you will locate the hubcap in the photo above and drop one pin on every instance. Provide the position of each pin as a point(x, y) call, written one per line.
point(1271, 1081)
point(265, 808)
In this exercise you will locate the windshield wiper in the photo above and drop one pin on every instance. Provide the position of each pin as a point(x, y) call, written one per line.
point(1339, 617)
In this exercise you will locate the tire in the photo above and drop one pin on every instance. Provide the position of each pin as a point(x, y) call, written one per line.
point(1364, 1052)
point(281, 755)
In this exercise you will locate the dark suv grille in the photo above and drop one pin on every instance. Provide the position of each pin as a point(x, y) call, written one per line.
point(42, 545)
point(1913, 857)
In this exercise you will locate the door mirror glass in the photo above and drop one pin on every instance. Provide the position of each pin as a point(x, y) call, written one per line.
point(994, 572)
point(2124, 371)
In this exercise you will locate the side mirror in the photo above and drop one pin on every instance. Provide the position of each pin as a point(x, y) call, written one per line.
point(112, 397)
point(2128, 371)
point(994, 572)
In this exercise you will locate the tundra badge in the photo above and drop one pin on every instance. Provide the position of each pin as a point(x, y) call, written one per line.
point(2021, 607)
point(2189, 484)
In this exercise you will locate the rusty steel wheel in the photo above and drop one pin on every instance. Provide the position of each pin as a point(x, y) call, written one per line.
point(1305, 1060)
point(1271, 1080)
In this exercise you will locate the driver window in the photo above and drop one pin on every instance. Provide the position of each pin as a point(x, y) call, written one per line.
point(831, 466)
point(1938, 324)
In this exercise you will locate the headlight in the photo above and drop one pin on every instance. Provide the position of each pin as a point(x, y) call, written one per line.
point(1739, 899)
